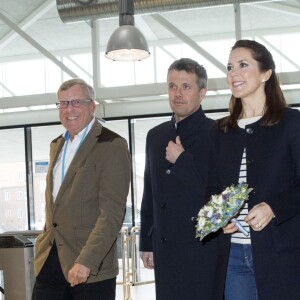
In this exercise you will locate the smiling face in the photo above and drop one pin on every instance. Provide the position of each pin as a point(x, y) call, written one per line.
point(75, 119)
point(184, 93)
point(244, 77)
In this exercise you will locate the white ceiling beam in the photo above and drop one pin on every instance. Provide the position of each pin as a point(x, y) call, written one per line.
point(83, 70)
point(189, 42)
point(28, 21)
point(140, 23)
point(270, 45)
point(36, 117)
point(156, 89)
point(95, 37)
point(237, 19)
point(140, 93)
point(6, 89)
point(27, 101)
point(36, 45)
point(123, 109)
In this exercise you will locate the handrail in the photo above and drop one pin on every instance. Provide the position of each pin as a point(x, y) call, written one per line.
point(129, 267)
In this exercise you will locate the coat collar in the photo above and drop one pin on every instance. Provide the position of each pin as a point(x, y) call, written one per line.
point(189, 127)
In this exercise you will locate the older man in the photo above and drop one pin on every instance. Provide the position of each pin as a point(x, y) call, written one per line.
point(76, 255)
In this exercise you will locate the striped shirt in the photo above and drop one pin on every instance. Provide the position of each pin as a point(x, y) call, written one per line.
point(239, 237)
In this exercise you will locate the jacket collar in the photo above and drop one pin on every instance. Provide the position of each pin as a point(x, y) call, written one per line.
point(190, 125)
point(79, 158)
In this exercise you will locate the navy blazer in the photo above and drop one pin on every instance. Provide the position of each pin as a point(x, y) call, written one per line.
point(273, 171)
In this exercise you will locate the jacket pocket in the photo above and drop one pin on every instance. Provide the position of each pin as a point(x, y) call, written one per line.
point(81, 235)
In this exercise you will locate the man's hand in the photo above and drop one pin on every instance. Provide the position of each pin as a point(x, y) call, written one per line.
point(174, 150)
point(78, 274)
point(147, 258)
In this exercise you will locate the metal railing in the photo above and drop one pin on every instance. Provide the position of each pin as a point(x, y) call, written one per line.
point(129, 261)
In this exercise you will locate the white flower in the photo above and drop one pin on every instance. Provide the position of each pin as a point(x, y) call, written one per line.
point(209, 211)
point(217, 199)
point(201, 222)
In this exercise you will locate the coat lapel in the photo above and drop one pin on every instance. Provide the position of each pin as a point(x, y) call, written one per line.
point(79, 158)
point(55, 149)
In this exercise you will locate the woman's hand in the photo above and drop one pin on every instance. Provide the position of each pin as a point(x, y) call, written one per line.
point(230, 228)
point(259, 216)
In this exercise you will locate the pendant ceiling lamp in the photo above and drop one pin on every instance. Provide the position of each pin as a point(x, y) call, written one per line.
point(127, 43)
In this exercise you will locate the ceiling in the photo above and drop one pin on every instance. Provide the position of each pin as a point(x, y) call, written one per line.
point(34, 28)
point(41, 21)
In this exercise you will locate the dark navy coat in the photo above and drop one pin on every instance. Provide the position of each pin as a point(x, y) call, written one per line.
point(173, 194)
point(273, 171)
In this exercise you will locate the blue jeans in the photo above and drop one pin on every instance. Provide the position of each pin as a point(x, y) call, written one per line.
point(240, 280)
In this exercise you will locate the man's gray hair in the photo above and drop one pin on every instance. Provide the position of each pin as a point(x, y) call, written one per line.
point(86, 87)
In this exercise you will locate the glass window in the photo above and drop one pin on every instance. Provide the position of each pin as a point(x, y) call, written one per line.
point(121, 128)
point(19, 213)
point(141, 128)
point(12, 170)
point(6, 196)
point(19, 195)
point(7, 213)
point(18, 81)
point(41, 139)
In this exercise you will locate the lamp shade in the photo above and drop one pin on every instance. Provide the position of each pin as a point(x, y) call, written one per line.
point(127, 43)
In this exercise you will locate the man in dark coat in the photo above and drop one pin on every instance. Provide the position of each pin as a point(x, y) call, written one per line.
point(175, 184)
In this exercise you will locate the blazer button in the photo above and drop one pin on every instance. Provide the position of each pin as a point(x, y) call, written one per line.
point(55, 224)
point(50, 244)
point(168, 172)
point(163, 240)
point(164, 205)
point(249, 130)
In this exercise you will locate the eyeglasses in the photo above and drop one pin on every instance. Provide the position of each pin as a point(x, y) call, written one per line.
point(74, 103)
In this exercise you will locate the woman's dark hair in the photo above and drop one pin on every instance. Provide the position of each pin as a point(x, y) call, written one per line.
point(275, 101)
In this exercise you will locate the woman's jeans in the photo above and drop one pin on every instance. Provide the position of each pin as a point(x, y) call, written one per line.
point(240, 280)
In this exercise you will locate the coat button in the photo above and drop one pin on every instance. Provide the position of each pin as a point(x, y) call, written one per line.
point(163, 205)
point(163, 240)
point(50, 244)
point(55, 224)
point(250, 162)
point(168, 172)
point(249, 130)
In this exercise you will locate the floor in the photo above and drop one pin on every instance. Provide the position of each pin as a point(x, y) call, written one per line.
point(141, 291)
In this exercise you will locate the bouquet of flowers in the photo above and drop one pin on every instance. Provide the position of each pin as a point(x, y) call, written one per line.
point(220, 209)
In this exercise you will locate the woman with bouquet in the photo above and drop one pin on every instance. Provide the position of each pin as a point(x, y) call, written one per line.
point(259, 143)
